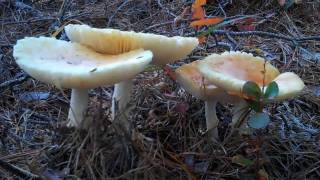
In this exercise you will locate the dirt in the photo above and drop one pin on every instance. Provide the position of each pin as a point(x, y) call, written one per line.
point(168, 139)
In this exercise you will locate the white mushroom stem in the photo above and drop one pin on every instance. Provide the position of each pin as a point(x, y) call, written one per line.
point(78, 107)
point(239, 111)
point(121, 96)
point(211, 117)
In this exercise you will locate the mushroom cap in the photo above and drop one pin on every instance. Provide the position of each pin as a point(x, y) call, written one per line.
point(231, 70)
point(111, 41)
point(72, 65)
point(290, 85)
point(189, 77)
point(192, 81)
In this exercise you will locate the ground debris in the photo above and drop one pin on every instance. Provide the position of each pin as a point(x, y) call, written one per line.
point(168, 139)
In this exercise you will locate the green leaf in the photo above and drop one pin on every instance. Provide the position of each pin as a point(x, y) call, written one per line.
point(242, 161)
point(252, 90)
point(259, 120)
point(272, 90)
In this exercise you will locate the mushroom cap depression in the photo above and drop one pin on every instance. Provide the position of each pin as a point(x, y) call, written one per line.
point(189, 77)
point(111, 41)
point(72, 65)
point(231, 70)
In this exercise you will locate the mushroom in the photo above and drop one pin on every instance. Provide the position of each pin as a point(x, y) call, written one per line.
point(231, 70)
point(193, 82)
point(112, 41)
point(71, 65)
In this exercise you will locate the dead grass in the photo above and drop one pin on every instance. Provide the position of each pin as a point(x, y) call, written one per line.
point(168, 140)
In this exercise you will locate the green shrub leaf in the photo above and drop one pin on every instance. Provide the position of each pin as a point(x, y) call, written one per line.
point(259, 120)
point(252, 90)
point(272, 90)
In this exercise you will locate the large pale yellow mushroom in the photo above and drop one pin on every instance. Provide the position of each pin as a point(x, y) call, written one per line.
point(71, 65)
point(112, 41)
point(196, 84)
point(231, 70)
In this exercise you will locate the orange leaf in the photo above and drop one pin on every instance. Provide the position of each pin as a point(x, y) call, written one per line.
point(209, 21)
point(198, 13)
point(197, 10)
point(199, 3)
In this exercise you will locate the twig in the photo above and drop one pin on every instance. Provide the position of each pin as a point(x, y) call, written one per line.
point(157, 25)
point(18, 171)
point(46, 120)
point(222, 44)
point(166, 9)
point(262, 34)
point(162, 24)
point(235, 45)
point(64, 6)
point(13, 82)
point(27, 21)
point(114, 14)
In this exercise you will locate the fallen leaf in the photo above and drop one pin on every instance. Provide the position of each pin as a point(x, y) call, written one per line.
point(189, 161)
point(317, 91)
point(262, 175)
point(199, 3)
point(202, 39)
point(34, 96)
point(51, 175)
point(201, 167)
point(198, 13)
point(181, 108)
point(206, 22)
point(282, 2)
point(246, 24)
point(242, 161)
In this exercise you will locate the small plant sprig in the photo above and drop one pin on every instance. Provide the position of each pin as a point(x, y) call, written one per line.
point(257, 98)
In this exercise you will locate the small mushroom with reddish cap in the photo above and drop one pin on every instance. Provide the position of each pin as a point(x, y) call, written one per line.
point(71, 65)
point(193, 82)
point(231, 70)
point(112, 41)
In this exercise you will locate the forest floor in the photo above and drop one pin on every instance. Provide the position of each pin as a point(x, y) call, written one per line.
point(168, 140)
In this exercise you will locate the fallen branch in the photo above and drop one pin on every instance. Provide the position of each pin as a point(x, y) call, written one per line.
point(17, 171)
point(13, 82)
point(28, 21)
point(262, 34)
